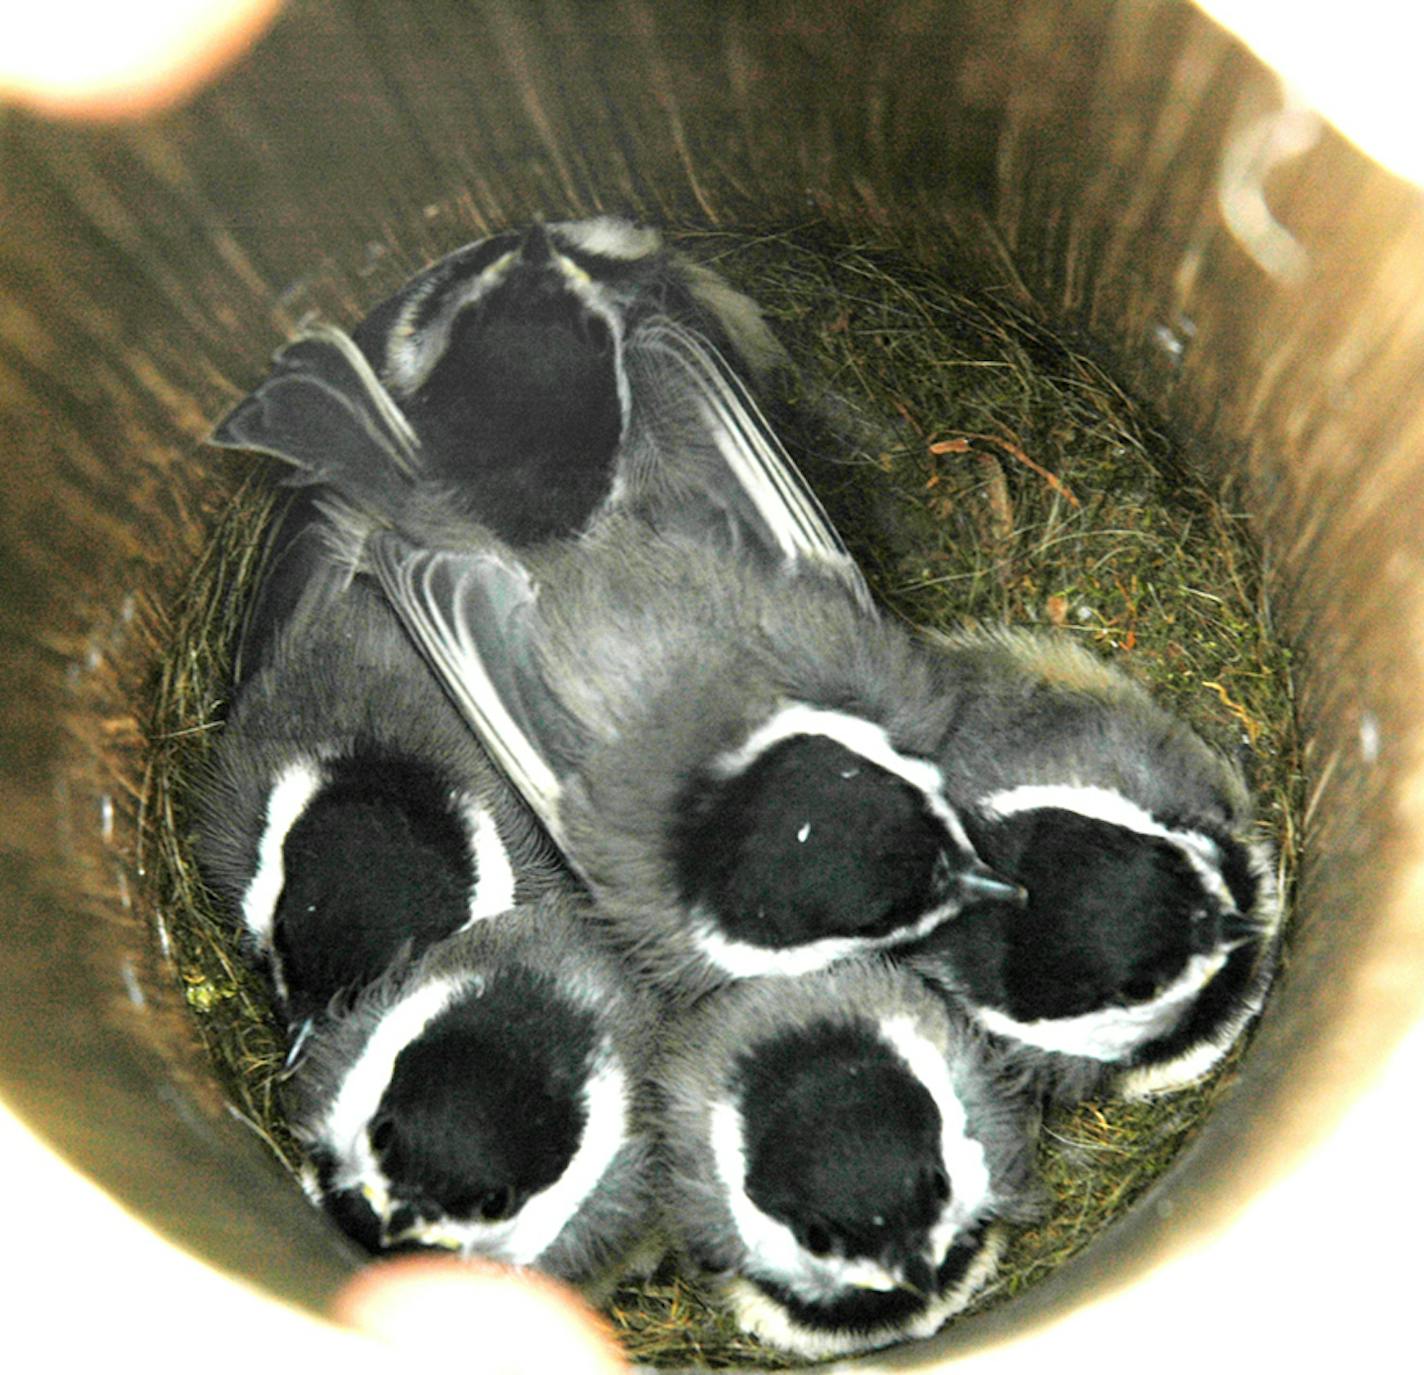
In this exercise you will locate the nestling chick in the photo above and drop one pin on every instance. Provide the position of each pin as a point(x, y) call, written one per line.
point(840, 1156)
point(486, 1100)
point(346, 815)
point(496, 386)
point(1150, 936)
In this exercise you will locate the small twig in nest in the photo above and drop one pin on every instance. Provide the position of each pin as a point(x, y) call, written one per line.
point(964, 444)
point(1248, 723)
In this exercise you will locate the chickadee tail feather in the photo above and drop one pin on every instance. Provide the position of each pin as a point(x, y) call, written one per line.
point(688, 401)
point(470, 614)
point(324, 413)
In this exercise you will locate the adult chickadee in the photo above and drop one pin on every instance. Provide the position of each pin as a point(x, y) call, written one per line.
point(1150, 936)
point(346, 815)
point(486, 1100)
point(732, 753)
point(840, 1156)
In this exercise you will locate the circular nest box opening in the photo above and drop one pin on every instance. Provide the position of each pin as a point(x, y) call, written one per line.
point(1102, 357)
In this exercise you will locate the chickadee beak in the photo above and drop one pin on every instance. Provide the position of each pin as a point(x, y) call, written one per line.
point(869, 1274)
point(398, 1224)
point(536, 249)
point(915, 1275)
point(298, 1043)
point(918, 1276)
point(979, 884)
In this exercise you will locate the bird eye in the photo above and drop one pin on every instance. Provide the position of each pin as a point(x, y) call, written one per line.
point(817, 1239)
point(940, 1183)
point(496, 1204)
point(382, 1134)
point(1139, 990)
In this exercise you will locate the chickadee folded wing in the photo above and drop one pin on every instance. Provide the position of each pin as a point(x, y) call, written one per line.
point(323, 411)
point(699, 431)
point(472, 613)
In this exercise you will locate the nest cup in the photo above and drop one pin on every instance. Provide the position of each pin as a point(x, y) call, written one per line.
point(1247, 272)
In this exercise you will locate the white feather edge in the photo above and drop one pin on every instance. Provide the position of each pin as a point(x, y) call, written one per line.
point(756, 1312)
point(398, 427)
point(291, 793)
point(443, 636)
point(495, 880)
point(758, 463)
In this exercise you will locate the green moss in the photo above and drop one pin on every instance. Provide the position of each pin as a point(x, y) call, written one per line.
point(230, 1002)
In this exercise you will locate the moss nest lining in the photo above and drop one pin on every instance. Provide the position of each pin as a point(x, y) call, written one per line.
point(986, 470)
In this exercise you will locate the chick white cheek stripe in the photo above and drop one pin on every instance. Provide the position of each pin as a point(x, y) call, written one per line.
point(1186, 1069)
point(1102, 804)
point(760, 1315)
point(1111, 1033)
point(599, 301)
point(772, 1243)
point(294, 789)
point(856, 734)
point(773, 1251)
point(344, 1127)
point(408, 364)
point(963, 1156)
point(493, 891)
point(743, 960)
point(1198, 1060)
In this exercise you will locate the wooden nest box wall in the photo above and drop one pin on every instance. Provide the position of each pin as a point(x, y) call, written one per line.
point(1248, 273)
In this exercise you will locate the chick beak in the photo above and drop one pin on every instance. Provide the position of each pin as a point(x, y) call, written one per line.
point(537, 249)
point(917, 1275)
point(871, 1275)
point(398, 1224)
point(977, 883)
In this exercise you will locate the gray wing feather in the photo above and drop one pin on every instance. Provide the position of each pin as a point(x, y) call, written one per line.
point(756, 486)
point(323, 411)
point(471, 614)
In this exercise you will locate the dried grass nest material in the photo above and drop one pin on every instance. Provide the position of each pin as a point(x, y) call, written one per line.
point(993, 473)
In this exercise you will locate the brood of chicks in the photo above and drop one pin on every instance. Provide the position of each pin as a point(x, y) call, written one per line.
point(775, 923)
